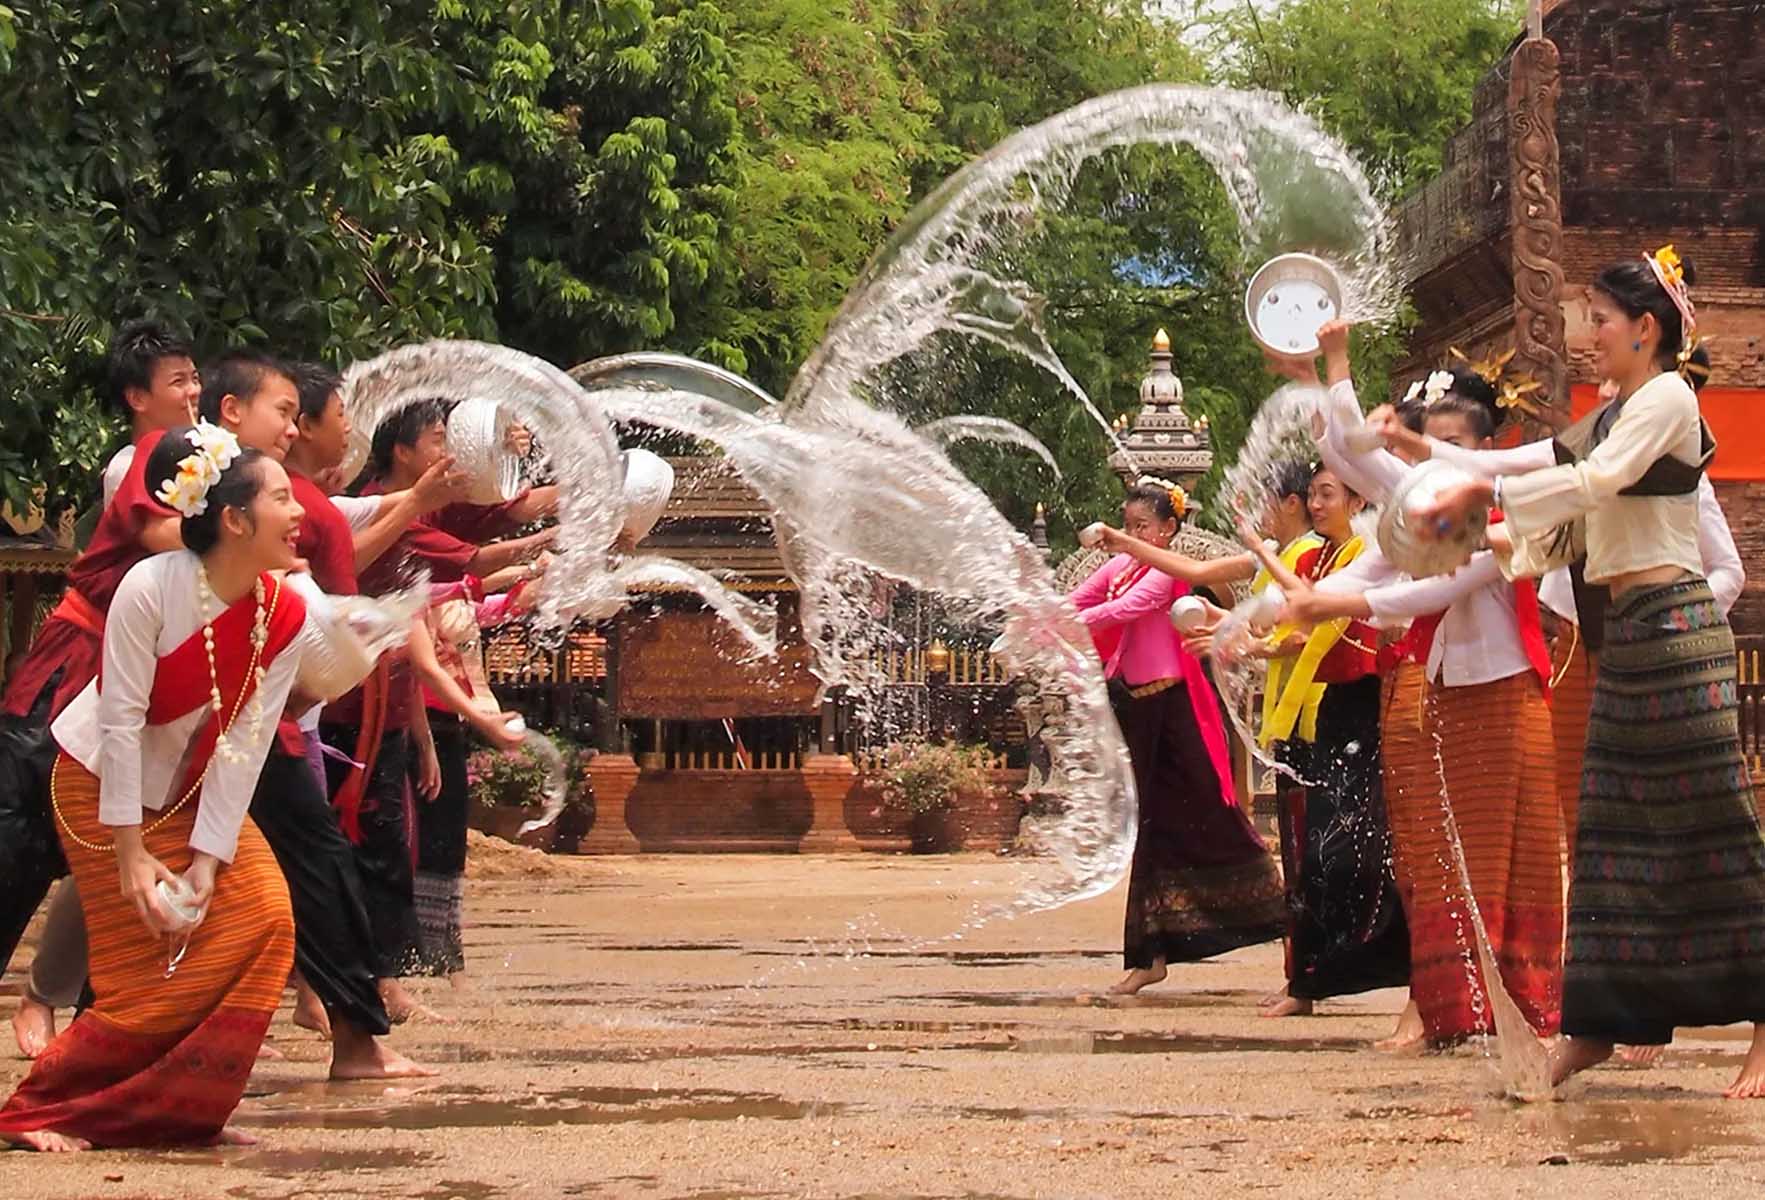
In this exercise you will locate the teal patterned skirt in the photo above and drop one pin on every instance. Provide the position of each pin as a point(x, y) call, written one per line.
point(1667, 902)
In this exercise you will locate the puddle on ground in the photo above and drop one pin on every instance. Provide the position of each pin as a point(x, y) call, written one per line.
point(1626, 1133)
point(1154, 1000)
point(566, 1106)
point(1173, 1043)
point(966, 958)
point(686, 947)
point(291, 1163)
point(1598, 1132)
point(458, 1189)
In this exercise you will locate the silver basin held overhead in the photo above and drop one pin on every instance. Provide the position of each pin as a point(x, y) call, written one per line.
point(1289, 299)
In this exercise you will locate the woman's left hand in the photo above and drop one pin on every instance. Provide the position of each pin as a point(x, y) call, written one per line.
point(428, 773)
point(200, 879)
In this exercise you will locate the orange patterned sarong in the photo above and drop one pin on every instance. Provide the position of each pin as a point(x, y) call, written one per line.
point(1500, 774)
point(1573, 669)
point(157, 1060)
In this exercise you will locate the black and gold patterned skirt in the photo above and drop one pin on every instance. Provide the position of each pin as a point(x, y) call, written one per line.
point(1667, 902)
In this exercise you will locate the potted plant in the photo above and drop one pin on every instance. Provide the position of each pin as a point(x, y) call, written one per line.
point(578, 815)
point(507, 789)
point(924, 779)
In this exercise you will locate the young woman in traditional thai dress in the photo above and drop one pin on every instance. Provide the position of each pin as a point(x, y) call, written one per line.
point(1485, 680)
point(159, 759)
point(1202, 881)
point(1574, 651)
point(1346, 926)
point(1667, 901)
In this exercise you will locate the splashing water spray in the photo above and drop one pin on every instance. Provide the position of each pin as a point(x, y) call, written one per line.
point(862, 500)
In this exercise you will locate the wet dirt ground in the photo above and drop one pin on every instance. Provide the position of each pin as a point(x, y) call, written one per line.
point(710, 1027)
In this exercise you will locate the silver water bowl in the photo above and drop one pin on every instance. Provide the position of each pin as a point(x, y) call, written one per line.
point(649, 483)
point(477, 437)
point(1399, 532)
point(653, 368)
point(1289, 299)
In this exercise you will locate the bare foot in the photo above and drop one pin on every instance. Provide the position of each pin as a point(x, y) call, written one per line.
point(1272, 999)
point(1640, 1056)
point(1290, 1006)
point(229, 1136)
point(269, 1053)
point(1750, 1083)
point(401, 1006)
point(33, 1025)
point(48, 1143)
point(1409, 1037)
point(1572, 1055)
point(1138, 978)
point(309, 1013)
point(379, 1061)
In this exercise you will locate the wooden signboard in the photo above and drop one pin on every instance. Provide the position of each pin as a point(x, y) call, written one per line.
point(688, 666)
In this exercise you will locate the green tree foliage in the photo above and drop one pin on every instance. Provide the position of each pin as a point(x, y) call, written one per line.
point(1392, 78)
point(837, 121)
point(331, 177)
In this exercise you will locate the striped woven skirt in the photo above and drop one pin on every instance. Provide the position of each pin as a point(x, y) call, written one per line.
point(1411, 775)
point(159, 1060)
point(1572, 675)
point(1667, 902)
point(1499, 770)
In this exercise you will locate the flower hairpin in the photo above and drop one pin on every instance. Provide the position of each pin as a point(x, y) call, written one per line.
point(1688, 368)
point(1179, 497)
point(186, 492)
point(1669, 272)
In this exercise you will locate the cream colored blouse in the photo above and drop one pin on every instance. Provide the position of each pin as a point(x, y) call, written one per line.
point(1624, 533)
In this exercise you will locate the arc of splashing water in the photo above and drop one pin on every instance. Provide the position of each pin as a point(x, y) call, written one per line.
point(947, 431)
point(894, 505)
point(585, 454)
point(927, 278)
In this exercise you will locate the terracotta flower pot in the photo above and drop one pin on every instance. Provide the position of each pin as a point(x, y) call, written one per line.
point(940, 831)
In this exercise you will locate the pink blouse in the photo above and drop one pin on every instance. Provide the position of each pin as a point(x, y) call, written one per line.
point(1151, 649)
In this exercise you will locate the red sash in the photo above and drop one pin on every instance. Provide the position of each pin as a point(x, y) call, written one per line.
point(348, 800)
point(1109, 641)
point(1416, 644)
point(78, 611)
point(181, 681)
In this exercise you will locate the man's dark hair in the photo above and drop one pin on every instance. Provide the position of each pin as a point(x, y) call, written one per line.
point(403, 428)
point(237, 373)
point(135, 349)
point(316, 383)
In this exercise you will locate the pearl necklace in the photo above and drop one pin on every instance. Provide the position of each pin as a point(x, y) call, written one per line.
point(225, 745)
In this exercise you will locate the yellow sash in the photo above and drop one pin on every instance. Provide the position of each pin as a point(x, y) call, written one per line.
point(1299, 684)
point(1271, 695)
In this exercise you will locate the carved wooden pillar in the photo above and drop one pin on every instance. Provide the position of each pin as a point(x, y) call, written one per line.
point(1536, 220)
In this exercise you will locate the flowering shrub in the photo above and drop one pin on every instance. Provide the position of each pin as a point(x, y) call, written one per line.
point(514, 779)
point(922, 777)
point(517, 778)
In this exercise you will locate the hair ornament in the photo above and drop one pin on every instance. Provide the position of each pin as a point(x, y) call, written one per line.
point(1693, 372)
point(186, 492)
point(1179, 498)
point(1513, 389)
point(1670, 274)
